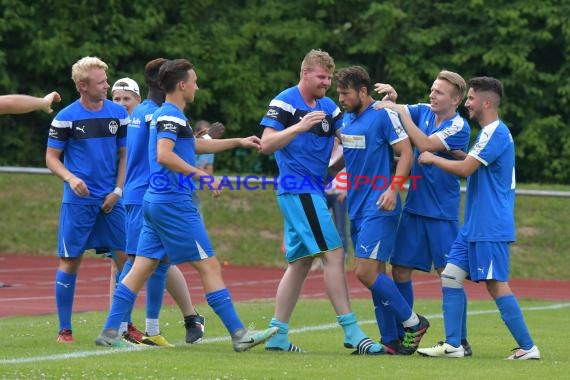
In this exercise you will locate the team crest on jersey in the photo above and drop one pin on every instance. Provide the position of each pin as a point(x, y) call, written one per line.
point(113, 127)
point(325, 125)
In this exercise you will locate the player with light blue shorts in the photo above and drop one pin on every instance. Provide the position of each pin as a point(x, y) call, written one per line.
point(299, 127)
point(90, 133)
point(431, 210)
point(481, 249)
point(172, 227)
point(369, 139)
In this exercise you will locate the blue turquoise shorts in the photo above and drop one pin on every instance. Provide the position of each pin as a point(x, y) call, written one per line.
point(309, 228)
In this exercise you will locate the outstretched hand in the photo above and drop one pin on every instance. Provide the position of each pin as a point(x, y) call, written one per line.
point(251, 142)
point(51, 98)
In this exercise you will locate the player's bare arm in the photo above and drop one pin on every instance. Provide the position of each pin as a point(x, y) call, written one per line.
point(430, 143)
point(54, 164)
point(219, 145)
point(165, 156)
point(462, 168)
point(273, 140)
point(112, 198)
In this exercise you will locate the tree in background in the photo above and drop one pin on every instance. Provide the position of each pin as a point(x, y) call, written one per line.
point(243, 50)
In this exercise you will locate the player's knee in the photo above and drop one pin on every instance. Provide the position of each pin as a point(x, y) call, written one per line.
point(453, 277)
point(498, 289)
point(365, 274)
point(401, 274)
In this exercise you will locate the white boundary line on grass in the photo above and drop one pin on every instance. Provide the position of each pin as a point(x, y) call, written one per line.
point(327, 326)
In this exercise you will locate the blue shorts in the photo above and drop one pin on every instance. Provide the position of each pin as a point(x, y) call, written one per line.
point(422, 242)
point(309, 228)
point(133, 226)
point(373, 236)
point(83, 227)
point(482, 260)
point(174, 231)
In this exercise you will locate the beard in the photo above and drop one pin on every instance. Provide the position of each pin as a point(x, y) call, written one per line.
point(355, 107)
point(320, 92)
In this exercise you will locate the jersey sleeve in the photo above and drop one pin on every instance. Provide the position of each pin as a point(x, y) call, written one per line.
point(455, 135)
point(122, 131)
point(489, 145)
point(416, 110)
point(59, 133)
point(169, 127)
point(337, 119)
point(278, 116)
point(396, 132)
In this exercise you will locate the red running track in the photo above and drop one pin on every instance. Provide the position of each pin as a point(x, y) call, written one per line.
point(27, 285)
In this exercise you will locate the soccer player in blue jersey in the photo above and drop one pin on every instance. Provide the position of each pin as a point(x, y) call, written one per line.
point(125, 92)
point(18, 103)
point(172, 226)
point(300, 127)
point(481, 249)
point(369, 139)
point(136, 183)
point(431, 210)
point(90, 133)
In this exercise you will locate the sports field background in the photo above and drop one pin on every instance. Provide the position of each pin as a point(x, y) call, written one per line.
point(246, 229)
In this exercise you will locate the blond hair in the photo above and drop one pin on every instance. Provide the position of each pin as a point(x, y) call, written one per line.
point(317, 58)
point(455, 80)
point(80, 69)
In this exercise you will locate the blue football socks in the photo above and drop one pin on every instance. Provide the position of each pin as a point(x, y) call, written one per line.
point(464, 318)
point(387, 324)
point(64, 293)
point(123, 301)
point(126, 269)
point(407, 291)
point(511, 314)
point(155, 290)
point(453, 309)
point(221, 302)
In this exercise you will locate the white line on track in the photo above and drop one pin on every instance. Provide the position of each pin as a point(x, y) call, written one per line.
point(327, 326)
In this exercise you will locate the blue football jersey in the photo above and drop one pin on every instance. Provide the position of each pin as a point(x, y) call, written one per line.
point(303, 163)
point(89, 141)
point(166, 186)
point(437, 193)
point(367, 141)
point(490, 199)
point(138, 170)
